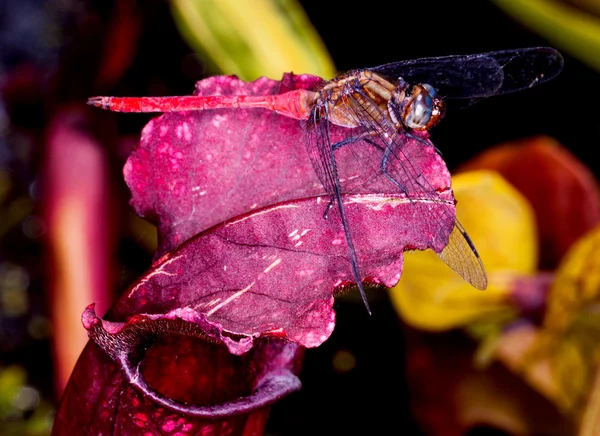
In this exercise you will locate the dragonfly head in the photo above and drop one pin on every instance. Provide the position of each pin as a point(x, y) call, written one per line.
point(417, 107)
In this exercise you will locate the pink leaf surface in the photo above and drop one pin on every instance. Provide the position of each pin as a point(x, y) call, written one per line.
point(274, 263)
point(276, 269)
point(269, 261)
point(194, 170)
point(244, 253)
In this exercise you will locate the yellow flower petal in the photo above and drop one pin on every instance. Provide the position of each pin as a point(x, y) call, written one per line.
point(502, 225)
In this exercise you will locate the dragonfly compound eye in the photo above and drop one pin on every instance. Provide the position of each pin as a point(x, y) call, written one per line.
point(424, 110)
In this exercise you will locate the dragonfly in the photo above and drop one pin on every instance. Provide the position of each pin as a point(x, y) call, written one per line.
point(385, 107)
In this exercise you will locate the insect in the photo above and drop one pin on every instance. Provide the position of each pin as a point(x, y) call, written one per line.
point(385, 107)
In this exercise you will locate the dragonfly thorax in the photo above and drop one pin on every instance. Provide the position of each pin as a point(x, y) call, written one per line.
point(359, 91)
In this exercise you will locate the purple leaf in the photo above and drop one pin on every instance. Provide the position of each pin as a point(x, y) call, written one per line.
point(274, 271)
point(245, 254)
point(179, 385)
point(194, 170)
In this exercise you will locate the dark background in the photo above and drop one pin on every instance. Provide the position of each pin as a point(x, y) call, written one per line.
point(373, 397)
point(565, 108)
point(359, 36)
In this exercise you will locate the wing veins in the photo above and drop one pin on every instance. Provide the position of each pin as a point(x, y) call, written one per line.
point(460, 253)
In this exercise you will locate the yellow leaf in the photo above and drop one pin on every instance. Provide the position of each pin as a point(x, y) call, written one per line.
point(546, 372)
point(577, 283)
point(569, 28)
point(590, 420)
point(563, 356)
point(501, 224)
point(561, 370)
point(570, 331)
point(253, 38)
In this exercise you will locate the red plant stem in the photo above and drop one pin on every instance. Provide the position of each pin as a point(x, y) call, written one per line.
point(79, 238)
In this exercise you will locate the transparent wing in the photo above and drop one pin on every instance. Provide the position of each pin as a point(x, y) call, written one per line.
point(321, 155)
point(319, 149)
point(461, 255)
point(400, 165)
point(476, 76)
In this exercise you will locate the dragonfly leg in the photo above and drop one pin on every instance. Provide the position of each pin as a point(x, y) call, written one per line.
point(425, 143)
point(351, 140)
point(384, 162)
point(335, 147)
point(337, 198)
point(351, 249)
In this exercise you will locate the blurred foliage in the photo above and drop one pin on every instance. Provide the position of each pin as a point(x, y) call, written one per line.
point(252, 39)
point(55, 54)
point(544, 326)
point(22, 411)
point(268, 37)
point(571, 25)
point(12, 210)
point(570, 333)
point(561, 358)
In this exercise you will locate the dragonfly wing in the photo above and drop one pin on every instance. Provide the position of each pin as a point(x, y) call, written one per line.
point(400, 164)
point(461, 255)
point(321, 153)
point(482, 75)
point(319, 148)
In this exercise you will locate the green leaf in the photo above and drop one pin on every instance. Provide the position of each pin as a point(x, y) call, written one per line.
point(572, 29)
point(253, 38)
